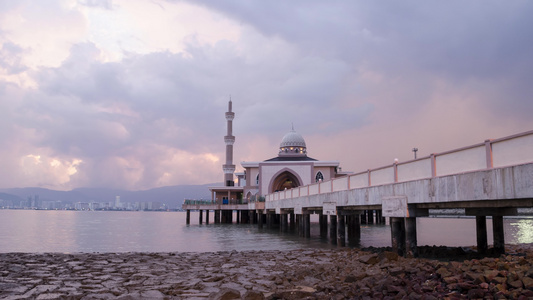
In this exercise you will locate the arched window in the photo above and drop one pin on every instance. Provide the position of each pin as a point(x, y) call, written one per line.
point(257, 180)
point(319, 177)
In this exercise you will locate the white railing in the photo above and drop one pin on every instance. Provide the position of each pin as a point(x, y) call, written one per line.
point(508, 151)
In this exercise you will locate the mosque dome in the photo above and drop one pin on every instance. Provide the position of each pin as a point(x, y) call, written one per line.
point(292, 139)
point(292, 144)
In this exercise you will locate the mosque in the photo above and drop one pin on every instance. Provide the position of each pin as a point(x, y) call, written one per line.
point(291, 168)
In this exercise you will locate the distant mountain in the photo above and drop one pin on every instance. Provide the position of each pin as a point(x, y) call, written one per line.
point(172, 196)
point(9, 197)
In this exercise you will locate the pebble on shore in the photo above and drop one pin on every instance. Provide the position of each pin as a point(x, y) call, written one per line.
point(297, 274)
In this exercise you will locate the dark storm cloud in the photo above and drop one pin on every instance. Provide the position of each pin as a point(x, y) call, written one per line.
point(456, 41)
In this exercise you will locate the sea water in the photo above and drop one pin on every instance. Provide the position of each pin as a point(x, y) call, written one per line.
point(129, 231)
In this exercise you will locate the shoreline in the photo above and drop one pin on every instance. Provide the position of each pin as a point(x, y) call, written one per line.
point(273, 274)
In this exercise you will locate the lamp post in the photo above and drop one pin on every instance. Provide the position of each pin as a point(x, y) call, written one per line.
point(414, 151)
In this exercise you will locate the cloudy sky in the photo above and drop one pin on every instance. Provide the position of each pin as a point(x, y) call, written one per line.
point(132, 93)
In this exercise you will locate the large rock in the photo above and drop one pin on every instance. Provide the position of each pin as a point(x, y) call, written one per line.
point(226, 294)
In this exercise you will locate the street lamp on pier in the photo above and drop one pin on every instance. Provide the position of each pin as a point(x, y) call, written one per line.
point(414, 151)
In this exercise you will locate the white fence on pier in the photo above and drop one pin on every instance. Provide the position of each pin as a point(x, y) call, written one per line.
point(508, 151)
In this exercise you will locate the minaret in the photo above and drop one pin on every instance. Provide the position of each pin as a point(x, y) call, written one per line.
point(229, 167)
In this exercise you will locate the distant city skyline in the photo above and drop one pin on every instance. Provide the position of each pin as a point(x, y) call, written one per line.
point(131, 94)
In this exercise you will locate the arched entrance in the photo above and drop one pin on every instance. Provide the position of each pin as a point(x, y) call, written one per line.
point(285, 180)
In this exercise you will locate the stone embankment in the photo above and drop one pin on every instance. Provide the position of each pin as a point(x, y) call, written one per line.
point(297, 274)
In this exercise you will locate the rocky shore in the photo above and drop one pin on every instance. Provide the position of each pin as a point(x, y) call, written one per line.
point(298, 274)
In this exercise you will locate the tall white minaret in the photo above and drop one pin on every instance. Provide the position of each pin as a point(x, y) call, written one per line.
point(229, 167)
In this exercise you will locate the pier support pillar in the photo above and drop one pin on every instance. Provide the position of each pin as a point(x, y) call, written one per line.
point(323, 220)
point(498, 234)
point(260, 220)
point(370, 216)
point(354, 230)
point(188, 218)
point(200, 213)
point(207, 216)
point(341, 230)
point(363, 217)
point(481, 234)
point(223, 217)
point(284, 223)
point(251, 217)
point(217, 216)
point(333, 229)
point(269, 220)
point(307, 225)
point(292, 221)
point(411, 240)
point(300, 224)
point(398, 235)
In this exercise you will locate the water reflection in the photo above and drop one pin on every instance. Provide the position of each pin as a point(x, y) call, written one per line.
point(74, 231)
point(522, 230)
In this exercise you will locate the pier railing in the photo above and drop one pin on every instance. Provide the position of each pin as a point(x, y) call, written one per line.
point(508, 151)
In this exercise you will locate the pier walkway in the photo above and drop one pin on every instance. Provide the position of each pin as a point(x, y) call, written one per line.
point(492, 178)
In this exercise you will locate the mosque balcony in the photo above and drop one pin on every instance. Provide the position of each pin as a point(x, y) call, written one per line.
point(230, 116)
point(228, 169)
point(229, 139)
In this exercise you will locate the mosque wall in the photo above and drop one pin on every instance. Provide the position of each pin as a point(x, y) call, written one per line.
point(269, 171)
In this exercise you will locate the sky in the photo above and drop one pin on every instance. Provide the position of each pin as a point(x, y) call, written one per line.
point(131, 94)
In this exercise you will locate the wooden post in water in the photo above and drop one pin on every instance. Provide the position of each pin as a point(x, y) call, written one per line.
point(207, 216)
point(333, 229)
point(188, 218)
point(200, 216)
point(481, 234)
point(341, 230)
point(498, 234)
point(411, 240)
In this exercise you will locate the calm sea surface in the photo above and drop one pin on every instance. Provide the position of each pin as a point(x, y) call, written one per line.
point(103, 231)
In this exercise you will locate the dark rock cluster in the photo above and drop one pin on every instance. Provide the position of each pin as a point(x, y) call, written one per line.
point(298, 274)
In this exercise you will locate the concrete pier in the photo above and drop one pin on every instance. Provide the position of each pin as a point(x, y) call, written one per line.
point(188, 218)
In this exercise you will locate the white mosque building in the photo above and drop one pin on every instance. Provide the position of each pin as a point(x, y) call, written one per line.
point(291, 168)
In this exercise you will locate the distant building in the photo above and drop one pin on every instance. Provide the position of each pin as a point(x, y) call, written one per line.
point(291, 168)
point(117, 203)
